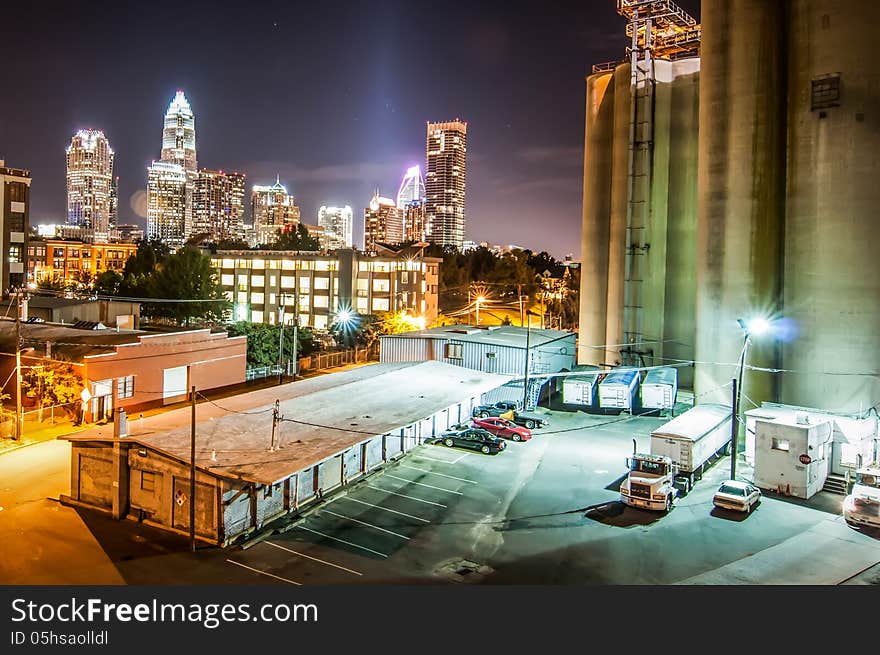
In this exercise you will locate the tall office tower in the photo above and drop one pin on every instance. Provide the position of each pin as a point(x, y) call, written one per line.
point(114, 204)
point(273, 209)
point(90, 184)
point(446, 155)
point(179, 147)
point(337, 223)
point(15, 188)
point(383, 223)
point(218, 205)
point(166, 211)
point(411, 199)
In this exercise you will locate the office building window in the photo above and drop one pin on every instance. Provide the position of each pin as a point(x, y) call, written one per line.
point(125, 387)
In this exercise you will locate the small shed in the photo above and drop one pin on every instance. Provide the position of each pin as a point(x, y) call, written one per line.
point(792, 456)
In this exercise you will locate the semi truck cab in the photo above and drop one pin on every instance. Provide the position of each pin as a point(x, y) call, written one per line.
point(650, 482)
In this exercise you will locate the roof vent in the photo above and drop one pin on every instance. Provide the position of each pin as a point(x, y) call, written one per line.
point(802, 418)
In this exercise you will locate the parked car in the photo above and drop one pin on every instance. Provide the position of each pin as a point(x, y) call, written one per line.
point(503, 428)
point(475, 438)
point(737, 495)
point(508, 409)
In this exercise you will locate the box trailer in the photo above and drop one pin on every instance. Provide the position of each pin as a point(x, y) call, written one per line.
point(659, 388)
point(692, 439)
point(581, 392)
point(618, 392)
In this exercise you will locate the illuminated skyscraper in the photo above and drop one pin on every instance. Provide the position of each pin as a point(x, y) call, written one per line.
point(179, 147)
point(446, 155)
point(218, 205)
point(383, 223)
point(337, 224)
point(90, 185)
point(273, 209)
point(411, 200)
point(166, 191)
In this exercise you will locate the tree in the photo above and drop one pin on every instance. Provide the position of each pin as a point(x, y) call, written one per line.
point(262, 342)
point(149, 255)
point(108, 283)
point(52, 383)
point(187, 275)
point(297, 238)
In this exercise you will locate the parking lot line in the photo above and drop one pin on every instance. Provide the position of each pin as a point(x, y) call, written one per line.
point(393, 511)
point(394, 493)
point(369, 525)
point(422, 484)
point(456, 461)
point(433, 459)
point(289, 550)
point(327, 536)
point(416, 468)
point(271, 575)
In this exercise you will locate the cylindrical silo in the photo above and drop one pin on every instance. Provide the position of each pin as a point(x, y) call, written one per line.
point(598, 137)
point(619, 198)
point(832, 280)
point(740, 191)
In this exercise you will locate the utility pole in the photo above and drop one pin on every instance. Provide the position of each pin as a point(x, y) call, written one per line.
point(280, 341)
point(733, 429)
point(18, 421)
point(520, 296)
point(295, 347)
point(192, 472)
point(526, 376)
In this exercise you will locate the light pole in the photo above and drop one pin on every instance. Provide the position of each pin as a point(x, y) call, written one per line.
point(480, 299)
point(757, 327)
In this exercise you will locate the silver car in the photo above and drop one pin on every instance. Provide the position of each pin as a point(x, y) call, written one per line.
point(736, 495)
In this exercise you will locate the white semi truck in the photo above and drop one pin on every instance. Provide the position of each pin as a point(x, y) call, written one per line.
point(681, 450)
point(862, 505)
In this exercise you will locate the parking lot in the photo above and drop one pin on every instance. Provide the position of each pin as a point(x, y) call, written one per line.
point(540, 512)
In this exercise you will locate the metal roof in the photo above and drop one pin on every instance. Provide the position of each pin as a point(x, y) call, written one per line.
point(512, 336)
point(695, 422)
point(329, 414)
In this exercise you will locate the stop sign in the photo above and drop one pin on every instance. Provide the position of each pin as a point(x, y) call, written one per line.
point(805, 459)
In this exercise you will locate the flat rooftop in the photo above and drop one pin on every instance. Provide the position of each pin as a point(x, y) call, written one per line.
point(496, 335)
point(323, 417)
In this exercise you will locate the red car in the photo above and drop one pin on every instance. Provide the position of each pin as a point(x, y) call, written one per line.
point(503, 428)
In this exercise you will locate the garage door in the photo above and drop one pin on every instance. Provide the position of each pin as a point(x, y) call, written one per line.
point(306, 486)
point(354, 462)
point(392, 445)
point(374, 453)
point(174, 382)
point(331, 473)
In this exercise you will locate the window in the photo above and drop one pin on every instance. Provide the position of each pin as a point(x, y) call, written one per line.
point(258, 281)
point(125, 387)
point(362, 284)
point(320, 322)
point(304, 283)
point(380, 304)
point(322, 283)
point(288, 282)
point(381, 285)
point(227, 280)
point(256, 316)
point(322, 301)
point(780, 444)
point(825, 91)
point(148, 481)
point(362, 305)
point(257, 298)
point(14, 254)
point(453, 351)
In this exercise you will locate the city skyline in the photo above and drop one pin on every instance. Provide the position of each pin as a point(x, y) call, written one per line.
point(334, 127)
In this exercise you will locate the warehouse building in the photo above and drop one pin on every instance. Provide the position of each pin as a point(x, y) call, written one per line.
point(251, 468)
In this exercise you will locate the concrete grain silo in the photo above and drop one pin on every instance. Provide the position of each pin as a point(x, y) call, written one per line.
point(832, 276)
point(740, 191)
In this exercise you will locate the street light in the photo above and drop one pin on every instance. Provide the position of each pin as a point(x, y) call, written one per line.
point(480, 299)
point(756, 326)
point(280, 340)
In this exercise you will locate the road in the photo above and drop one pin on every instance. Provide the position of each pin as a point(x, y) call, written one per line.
point(541, 512)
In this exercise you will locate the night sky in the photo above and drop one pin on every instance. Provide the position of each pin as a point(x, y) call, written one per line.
point(332, 96)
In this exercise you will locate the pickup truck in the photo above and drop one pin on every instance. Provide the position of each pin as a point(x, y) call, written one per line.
point(508, 409)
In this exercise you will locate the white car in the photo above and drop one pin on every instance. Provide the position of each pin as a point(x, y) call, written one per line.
point(736, 495)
